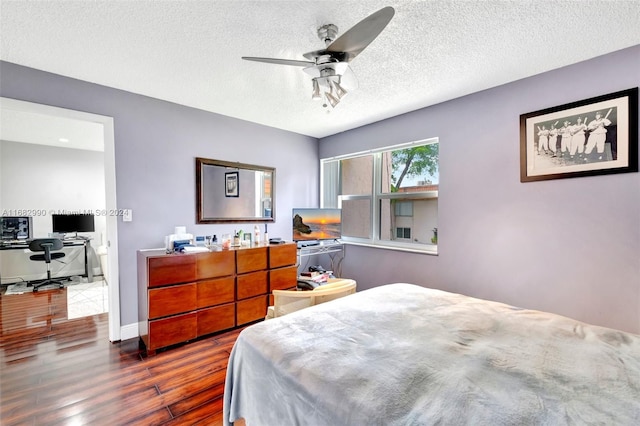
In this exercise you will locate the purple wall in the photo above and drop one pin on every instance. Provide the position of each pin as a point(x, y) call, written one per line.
point(569, 246)
point(156, 143)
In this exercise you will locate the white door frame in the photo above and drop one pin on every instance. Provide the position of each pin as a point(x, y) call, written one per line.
point(110, 194)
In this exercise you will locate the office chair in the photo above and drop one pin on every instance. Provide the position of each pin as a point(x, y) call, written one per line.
point(46, 245)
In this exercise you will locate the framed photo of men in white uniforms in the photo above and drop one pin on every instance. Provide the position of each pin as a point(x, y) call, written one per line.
point(231, 184)
point(585, 138)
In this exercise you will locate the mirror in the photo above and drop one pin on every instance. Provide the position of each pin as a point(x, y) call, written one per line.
point(234, 192)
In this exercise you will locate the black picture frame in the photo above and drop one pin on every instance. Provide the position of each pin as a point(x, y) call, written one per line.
point(606, 138)
point(231, 184)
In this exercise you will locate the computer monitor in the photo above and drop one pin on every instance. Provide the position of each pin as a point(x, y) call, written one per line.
point(16, 228)
point(68, 223)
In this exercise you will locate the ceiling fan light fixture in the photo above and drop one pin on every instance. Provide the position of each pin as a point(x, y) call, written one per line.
point(315, 95)
point(339, 90)
point(333, 101)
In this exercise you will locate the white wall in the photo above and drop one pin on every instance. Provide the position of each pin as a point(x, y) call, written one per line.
point(569, 246)
point(45, 178)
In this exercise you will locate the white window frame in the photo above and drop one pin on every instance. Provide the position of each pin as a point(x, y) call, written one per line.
point(375, 197)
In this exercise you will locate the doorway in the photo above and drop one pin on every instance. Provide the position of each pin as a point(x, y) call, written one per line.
point(22, 115)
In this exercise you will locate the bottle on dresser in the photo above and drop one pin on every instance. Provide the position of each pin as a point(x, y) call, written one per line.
point(256, 235)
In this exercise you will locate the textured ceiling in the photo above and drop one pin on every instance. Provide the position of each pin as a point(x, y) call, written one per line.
point(188, 52)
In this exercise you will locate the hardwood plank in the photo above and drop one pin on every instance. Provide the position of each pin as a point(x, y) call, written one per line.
point(101, 407)
point(67, 372)
point(200, 413)
point(185, 375)
point(197, 399)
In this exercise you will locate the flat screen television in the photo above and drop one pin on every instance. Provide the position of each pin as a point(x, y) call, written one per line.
point(67, 223)
point(317, 224)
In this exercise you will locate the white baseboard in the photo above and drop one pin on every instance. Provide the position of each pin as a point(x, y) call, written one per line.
point(129, 331)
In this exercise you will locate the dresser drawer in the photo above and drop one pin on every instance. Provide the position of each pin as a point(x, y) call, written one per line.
point(283, 278)
point(282, 255)
point(253, 284)
point(250, 260)
point(169, 331)
point(250, 310)
point(171, 269)
point(215, 264)
point(217, 318)
point(216, 292)
point(172, 300)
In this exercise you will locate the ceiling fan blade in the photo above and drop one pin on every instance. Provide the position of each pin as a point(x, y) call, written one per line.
point(360, 35)
point(279, 61)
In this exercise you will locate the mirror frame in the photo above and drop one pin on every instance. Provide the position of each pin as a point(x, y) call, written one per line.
point(200, 196)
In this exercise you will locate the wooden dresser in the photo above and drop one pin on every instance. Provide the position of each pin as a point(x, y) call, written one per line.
point(185, 296)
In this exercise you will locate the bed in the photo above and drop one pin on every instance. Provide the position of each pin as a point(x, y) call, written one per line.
point(402, 354)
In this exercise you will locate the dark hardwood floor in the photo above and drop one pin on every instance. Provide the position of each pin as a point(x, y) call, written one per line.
point(56, 371)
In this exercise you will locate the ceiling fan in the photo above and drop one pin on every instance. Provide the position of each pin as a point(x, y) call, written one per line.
point(329, 67)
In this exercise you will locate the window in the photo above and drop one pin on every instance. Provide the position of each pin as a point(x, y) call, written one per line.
point(403, 233)
point(404, 208)
point(388, 197)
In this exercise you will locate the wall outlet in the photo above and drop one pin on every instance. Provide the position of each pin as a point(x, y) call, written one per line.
point(127, 215)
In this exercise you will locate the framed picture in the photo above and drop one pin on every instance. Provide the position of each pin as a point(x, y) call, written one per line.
point(231, 184)
point(248, 236)
point(590, 137)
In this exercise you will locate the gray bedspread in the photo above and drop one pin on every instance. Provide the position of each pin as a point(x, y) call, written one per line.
point(401, 354)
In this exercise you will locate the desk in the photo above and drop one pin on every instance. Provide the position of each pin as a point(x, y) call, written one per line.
point(15, 265)
point(332, 248)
